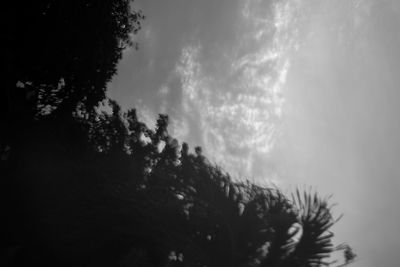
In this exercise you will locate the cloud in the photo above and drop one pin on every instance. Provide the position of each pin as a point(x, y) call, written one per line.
point(233, 100)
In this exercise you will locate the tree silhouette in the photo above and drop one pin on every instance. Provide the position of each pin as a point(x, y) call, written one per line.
point(184, 211)
point(59, 57)
point(135, 196)
point(63, 53)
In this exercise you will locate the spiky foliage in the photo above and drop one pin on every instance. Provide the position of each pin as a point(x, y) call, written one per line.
point(315, 244)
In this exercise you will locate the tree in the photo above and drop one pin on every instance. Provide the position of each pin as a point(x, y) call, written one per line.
point(134, 195)
point(207, 219)
point(59, 56)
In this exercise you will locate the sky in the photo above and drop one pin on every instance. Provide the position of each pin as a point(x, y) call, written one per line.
point(284, 92)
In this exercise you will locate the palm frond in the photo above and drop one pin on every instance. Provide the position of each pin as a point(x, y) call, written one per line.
point(315, 244)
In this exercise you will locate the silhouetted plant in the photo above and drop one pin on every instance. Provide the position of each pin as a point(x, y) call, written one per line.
point(62, 54)
point(135, 193)
point(211, 220)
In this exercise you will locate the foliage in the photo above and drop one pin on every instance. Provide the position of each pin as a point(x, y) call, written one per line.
point(60, 55)
point(132, 194)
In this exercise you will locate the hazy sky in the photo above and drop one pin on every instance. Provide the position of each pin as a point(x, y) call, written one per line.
point(297, 92)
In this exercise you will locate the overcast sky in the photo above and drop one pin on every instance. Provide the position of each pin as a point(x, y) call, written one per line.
point(295, 92)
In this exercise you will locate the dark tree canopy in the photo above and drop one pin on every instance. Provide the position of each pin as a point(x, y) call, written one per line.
point(61, 54)
point(130, 195)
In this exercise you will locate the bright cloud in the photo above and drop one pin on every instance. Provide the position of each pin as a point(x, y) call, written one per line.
point(239, 111)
